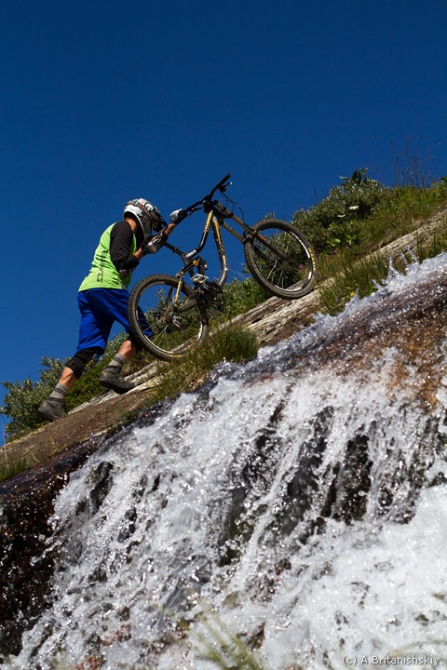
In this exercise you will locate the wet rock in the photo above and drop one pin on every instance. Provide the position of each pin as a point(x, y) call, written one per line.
point(26, 567)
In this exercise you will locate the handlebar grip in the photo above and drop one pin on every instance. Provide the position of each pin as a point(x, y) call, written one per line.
point(218, 186)
point(226, 178)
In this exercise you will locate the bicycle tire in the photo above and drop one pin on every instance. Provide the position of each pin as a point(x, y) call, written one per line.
point(283, 261)
point(174, 328)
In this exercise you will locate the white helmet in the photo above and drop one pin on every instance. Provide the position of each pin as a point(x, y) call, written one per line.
point(146, 214)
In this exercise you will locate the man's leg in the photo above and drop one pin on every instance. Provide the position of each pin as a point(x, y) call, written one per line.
point(117, 301)
point(93, 334)
point(111, 375)
point(53, 407)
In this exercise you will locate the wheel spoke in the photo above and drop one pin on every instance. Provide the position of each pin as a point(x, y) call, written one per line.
point(281, 259)
point(166, 320)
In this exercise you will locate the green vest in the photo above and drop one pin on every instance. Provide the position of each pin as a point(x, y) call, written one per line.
point(103, 273)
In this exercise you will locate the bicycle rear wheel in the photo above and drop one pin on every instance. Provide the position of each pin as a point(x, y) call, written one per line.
point(281, 259)
point(165, 318)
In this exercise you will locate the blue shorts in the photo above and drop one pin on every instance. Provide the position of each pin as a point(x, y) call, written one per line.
point(100, 308)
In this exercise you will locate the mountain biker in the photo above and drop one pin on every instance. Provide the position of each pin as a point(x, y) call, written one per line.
point(103, 297)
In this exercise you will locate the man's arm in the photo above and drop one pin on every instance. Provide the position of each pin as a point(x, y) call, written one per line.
point(152, 244)
point(121, 239)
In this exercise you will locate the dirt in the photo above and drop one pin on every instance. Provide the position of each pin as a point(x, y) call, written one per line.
point(98, 419)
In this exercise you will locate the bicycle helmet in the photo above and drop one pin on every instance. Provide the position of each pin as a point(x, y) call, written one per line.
point(146, 214)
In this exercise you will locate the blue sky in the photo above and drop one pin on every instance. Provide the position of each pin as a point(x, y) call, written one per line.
point(107, 101)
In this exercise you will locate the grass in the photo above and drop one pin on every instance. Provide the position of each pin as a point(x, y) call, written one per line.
point(223, 647)
point(354, 267)
point(399, 212)
point(12, 468)
point(234, 342)
point(361, 267)
point(350, 276)
point(348, 272)
point(349, 228)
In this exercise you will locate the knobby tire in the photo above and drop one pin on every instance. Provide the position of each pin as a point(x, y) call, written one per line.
point(173, 328)
point(281, 259)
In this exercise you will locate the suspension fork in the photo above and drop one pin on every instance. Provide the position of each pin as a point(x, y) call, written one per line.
point(178, 292)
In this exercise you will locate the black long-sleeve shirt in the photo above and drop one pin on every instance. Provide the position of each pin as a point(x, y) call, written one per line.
point(121, 239)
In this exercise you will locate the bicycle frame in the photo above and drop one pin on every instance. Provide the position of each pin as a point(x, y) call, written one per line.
point(278, 257)
point(217, 214)
point(215, 221)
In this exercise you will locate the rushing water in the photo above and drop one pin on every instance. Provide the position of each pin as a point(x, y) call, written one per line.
point(301, 498)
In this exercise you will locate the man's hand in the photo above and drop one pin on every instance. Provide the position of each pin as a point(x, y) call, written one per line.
point(152, 244)
point(177, 216)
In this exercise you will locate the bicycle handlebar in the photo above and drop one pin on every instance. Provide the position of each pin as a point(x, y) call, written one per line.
point(221, 186)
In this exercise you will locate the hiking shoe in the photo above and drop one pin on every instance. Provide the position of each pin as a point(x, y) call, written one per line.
point(52, 409)
point(111, 379)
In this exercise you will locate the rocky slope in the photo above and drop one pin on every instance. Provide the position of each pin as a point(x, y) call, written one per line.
point(373, 378)
point(85, 428)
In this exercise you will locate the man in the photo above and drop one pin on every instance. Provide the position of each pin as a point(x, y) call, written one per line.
point(103, 298)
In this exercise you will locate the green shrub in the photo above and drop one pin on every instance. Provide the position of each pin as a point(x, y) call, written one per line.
point(23, 398)
point(241, 296)
point(336, 221)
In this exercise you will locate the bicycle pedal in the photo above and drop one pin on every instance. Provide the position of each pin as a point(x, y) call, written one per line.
point(199, 279)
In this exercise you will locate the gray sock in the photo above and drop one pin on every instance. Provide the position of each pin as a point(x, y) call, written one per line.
point(59, 392)
point(117, 363)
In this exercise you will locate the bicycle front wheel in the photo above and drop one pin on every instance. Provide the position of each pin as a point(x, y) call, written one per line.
point(281, 259)
point(165, 318)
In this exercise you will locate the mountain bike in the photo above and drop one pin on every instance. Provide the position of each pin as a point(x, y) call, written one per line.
point(168, 315)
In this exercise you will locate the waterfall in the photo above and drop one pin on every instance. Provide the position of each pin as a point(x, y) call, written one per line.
point(298, 501)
